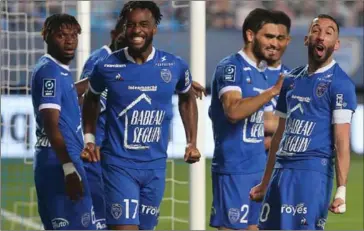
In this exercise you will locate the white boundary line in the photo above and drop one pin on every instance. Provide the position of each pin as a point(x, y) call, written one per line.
point(26, 222)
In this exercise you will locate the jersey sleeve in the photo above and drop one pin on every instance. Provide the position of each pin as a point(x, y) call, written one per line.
point(185, 79)
point(49, 88)
point(281, 107)
point(343, 101)
point(96, 80)
point(227, 78)
point(87, 68)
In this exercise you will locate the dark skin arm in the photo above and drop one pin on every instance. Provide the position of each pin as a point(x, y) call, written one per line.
point(50, 120)
point(90, 113)
point(81, 87)
point(198, 89)
point(188, 110)
point(74, 187)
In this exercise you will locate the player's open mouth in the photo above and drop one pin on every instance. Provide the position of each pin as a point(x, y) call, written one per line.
point(320, 50)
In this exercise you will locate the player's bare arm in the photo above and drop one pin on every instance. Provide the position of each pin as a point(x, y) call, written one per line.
point(257, 193)
point(198, 89)
point(81, 86)
point(342, 164)
point(90, 113)
point(74, 187)
point(237, 108)
point(270, 122)
point(189, 114)
point(270, 126)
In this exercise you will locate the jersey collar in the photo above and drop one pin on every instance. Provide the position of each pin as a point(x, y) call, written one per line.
point(262, 65)
point(275, 68)
point(57, 62)
point(128, 57)
point(107, 48)
point(322, 69)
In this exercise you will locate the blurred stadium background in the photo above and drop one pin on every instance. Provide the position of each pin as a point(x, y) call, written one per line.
point(21, 45)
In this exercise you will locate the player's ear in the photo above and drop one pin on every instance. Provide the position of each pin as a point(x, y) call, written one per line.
point(155, 30)
point(249, 36)
point(306, 41)
point(288, 39)
point(337, 45)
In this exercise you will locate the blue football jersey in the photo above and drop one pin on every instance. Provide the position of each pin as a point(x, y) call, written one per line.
point(239, 147)
point(311, 104)
point(272, 75)
point(53, 87)
point(139, 106)
point(98, 54)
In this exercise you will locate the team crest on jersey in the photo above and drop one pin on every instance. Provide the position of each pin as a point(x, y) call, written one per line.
point(49, 87)
point(321, 88)
point(85, 220)
point(234, 215)
point(321, 223)
point(229, 73)
point(166, 75)
point(116, 211)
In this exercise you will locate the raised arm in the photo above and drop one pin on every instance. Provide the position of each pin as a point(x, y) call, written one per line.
point(238, 108)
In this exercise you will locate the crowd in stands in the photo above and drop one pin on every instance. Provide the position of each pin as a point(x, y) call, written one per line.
point(221, 14)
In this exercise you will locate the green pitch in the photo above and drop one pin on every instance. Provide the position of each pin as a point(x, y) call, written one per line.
point(19, 209)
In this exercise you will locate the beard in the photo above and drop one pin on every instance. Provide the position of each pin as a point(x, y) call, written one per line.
point(257, 50)
point(315, 57)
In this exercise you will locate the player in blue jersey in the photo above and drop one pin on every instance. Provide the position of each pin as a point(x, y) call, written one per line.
point(315, 107)
point(274, 69)
point(240, 95)
point(140, 81)
point(93, 169)
point(64, 200)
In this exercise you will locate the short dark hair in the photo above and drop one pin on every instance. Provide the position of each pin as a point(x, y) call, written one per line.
point(327, 17)
point(150, 5)
point(282, 18)
point(255, 20)
point(54, 22)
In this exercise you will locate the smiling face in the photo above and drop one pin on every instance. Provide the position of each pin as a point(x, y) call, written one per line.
point(140, 29)
point(281, 44)
point(269, 42)
point(322, 40)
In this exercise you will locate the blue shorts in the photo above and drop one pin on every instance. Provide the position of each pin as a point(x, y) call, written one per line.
point(55, 208)
point(231, 206)
point(96, 183)
point(133, 196)
point(296, 200)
